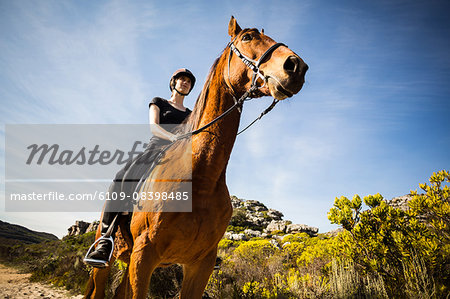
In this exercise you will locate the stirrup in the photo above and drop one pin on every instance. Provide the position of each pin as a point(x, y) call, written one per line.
point(99, 263)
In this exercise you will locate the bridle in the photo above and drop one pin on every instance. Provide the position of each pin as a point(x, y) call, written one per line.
point(254, 66)
point(251, 64)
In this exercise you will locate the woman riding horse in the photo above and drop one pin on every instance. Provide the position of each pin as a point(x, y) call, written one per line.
point(251, 66)
point(162, 112)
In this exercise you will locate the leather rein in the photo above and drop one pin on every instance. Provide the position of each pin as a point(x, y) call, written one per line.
point(254, 66)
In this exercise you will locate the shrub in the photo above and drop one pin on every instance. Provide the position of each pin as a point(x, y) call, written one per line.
point(239, 218)
point(58, 262)
point(225, 244)
point(235, 229)
point(382, 239)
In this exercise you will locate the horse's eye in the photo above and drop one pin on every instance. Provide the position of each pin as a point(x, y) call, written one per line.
point(247, 37)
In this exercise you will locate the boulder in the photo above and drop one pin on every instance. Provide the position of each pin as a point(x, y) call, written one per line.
point(302, 228)
point(255, 221)
point(254, 205)
point(400, 202)
point(252, 233)
point(235, 237)
point(274, 214)
point(261, 221)
point(260, 208)
point(277, 225)
point(78, 228)
point(92, 227)
point(236, 202)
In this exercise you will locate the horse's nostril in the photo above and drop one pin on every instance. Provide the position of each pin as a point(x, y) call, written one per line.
point(291, 64)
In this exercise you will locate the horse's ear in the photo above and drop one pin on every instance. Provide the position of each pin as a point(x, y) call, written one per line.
point(262, 31)
point(233, 27)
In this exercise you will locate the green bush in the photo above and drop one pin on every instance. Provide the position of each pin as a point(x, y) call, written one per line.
point(382, 252)
point(398, 244)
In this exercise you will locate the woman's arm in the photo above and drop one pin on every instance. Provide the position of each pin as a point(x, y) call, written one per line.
point(156, 129)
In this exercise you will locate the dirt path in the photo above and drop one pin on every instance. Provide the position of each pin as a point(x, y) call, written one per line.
point(16, 285)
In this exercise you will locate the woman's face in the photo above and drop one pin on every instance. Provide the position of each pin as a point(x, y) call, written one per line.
point(183, 84)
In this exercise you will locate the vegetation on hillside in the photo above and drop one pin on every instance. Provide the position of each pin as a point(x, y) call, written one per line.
point(380, 252)
point(58, 262)
point(12, 232)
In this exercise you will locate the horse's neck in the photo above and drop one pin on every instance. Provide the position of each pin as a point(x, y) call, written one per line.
point(212, 148)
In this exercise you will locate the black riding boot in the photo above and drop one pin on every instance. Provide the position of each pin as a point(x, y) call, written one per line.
point(100, 257)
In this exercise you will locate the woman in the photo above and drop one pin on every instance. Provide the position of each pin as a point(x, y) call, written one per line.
point(161, 112)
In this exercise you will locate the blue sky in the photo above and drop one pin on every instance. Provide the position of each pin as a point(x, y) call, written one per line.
point(373, 115)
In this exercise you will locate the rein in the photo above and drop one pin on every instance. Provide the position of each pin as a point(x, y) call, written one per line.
point(254, 66)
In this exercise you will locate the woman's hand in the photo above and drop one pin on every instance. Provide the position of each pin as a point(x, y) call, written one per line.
point(173, 138)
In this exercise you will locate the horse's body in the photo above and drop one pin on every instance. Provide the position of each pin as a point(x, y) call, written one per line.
point(191, 238)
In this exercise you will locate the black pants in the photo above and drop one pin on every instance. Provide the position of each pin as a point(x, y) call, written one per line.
point(128, 179)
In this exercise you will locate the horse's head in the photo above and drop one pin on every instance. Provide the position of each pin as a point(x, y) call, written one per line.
point(283, 70)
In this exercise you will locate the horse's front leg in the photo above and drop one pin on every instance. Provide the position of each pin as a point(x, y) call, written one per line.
point(143, 262)
point(196, 276)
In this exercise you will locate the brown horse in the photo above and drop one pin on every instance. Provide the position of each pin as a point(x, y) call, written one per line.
point(191, 238)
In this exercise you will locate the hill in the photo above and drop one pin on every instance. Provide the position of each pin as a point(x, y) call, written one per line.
point(13, 233)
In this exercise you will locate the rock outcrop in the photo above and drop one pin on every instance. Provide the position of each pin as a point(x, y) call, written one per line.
point(78, 228)
point(277, 225)
point(82, 227)
point(251, 219)
point(302, 228)
point(284, 226)
point(260, 221)
point(93, 227)
point(400, 202)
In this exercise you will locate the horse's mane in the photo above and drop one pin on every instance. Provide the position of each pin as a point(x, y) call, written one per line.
point(192, 121)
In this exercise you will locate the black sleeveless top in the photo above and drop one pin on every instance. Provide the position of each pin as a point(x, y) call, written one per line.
point(142, 164)
point(167, 113)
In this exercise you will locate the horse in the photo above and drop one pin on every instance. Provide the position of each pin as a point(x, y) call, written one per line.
point(160, 238)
